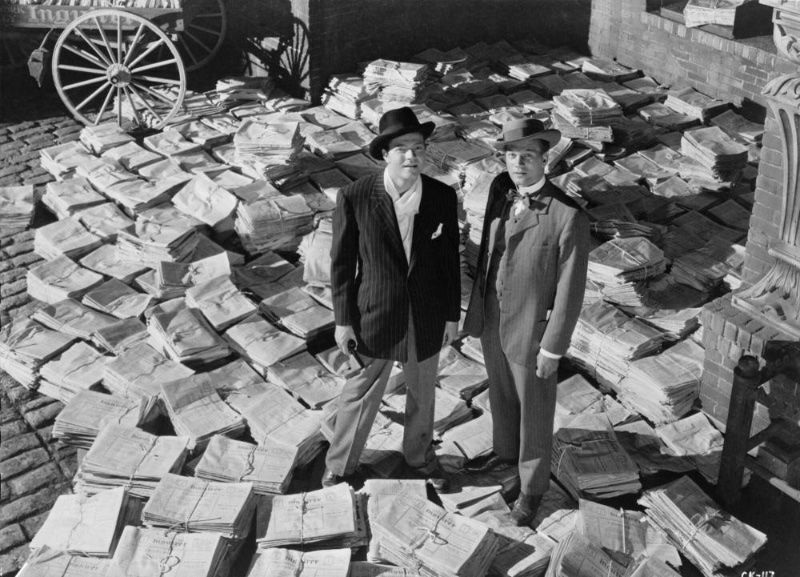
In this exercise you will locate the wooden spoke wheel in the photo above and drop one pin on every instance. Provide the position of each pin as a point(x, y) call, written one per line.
point(205, 23)
point(110, 63)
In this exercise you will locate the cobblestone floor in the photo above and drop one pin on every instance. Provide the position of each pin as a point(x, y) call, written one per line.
point(34, 468)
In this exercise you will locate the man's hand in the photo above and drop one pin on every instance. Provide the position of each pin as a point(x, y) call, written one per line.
point(343, 335)
point(450, 332)
point(545, 366)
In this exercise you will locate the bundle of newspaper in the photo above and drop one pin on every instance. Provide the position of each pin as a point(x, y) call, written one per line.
point(105, 260)
point(136, 196)
point(695, 438)
point(461, 376)
point(171, 280)
point(273, 223)
point(306, 379)
point(155, 552)
point(105, 220)
point(419, 535)
point(203, 199)
point(197, 411)
point(265, 143)
point(455, 155)
point(711, 538)
point(676, 323)
point(66, 198)
point(344, 95)
point(268, 468)
point(701, 12)
point(61, 160)
point(647, 450)
point(47, 561)
point(443, 62)
point(101, 137)
point(524, 67)
point(88, 526)
point(593, 132)
point(222, 304)
point(243, 88)
point(586, 107)
point(197, 505)
point(625, 260)
point(606, 339)
point(576, 556)
point(738, 126)
point(138, 372)
point(607, 70)
point(707, 266)
point(327, 517)
point(116, 298)
point(449, 410)
point(149, 243)
point(273, 415)
point(132, 156)
point(380, 494)
point(120, 336)
point(129, 457)
point(90, 411)
point(291, 563)
point(299, 313)
point(79, 368)
point(589, 460)
point(396, 81)
point(25, 346)
point(368, 569)
point(711, 147)
point(180, 332)
point(663, 387)
point(66, 237)
point(72, 318)
point(695, 104)
point(261, 343)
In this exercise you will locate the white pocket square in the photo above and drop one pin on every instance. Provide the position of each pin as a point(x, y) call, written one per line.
point(437, 232)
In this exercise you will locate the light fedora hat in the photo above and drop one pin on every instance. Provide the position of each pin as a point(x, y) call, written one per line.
point(520, 131)
point(396, 123)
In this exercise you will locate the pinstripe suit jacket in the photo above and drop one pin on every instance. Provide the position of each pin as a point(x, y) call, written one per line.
point(372, 282)
point(542, 275)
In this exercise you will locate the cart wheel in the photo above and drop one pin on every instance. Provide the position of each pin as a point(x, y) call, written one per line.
point(205, 23)
point(109, 62)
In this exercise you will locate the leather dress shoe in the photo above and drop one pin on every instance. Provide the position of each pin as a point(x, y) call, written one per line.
point(525, 508)
point(329, 478)
point(435, 479)
point(485, 464)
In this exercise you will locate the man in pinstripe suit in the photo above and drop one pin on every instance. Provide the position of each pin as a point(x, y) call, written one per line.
point(525, 303)
point(396, 292)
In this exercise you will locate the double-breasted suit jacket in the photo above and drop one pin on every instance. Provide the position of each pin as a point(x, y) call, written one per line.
point(374, 285)
point(541, 276)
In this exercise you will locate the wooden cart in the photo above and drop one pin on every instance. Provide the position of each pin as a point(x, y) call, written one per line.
point(121, 59)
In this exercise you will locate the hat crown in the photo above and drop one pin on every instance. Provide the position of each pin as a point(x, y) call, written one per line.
point(521, 128)
point(397, 119)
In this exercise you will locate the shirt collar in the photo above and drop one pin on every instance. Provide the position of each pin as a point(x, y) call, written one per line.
point(533, 188)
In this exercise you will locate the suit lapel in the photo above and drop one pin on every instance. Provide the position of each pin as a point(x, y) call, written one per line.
point(383, 208)
point(422, 224)
point(530, 217)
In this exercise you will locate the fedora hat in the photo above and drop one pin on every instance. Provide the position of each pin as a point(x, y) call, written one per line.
point(396, 123)
point(518, 131)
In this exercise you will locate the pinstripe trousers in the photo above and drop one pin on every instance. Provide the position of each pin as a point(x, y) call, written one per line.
point(359, 403)
point(523, 406)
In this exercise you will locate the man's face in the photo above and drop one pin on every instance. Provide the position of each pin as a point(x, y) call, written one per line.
point(405, 156)
point(526, 162)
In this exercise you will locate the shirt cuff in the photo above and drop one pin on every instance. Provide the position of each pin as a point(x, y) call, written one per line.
point(550, 355)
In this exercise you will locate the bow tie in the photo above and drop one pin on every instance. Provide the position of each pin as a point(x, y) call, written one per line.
point(528, 200)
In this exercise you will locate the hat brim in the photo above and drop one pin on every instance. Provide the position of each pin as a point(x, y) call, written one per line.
point(382, 140)
point(550, 136)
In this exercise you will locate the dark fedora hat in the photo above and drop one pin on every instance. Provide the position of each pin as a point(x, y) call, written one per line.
point(396, 123)
point(518, 131)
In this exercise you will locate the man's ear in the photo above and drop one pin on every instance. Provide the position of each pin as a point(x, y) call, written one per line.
point(384, 153)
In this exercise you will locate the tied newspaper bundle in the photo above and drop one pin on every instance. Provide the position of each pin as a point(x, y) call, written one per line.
point(278, 222)
point(195, 505)
point(60, 279)
point(344, 94)
point(331, 518)
point(16, 207)
point(79, 368)
point(106, 261)
point(181, 333)
point(380, 494)
point(72, 318)
point(396, 81)
point(621, 267)
point(291, 563)
point(25, 346)
point(65, 199)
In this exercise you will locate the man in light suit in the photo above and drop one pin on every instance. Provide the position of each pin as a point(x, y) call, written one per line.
point(396, 293)
point(525, 303)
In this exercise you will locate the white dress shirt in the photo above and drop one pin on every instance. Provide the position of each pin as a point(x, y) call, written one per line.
point(405, 208)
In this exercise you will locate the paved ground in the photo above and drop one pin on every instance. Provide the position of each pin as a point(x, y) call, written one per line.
point(34, 468)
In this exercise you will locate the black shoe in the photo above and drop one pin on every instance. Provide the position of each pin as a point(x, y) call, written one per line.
point(435, 479)
point(525, 508)
point(485, 464)
point(330, 479)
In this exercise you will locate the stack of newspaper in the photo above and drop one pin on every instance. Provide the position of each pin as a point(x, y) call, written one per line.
point(202, 134)
point(396, 81)
point(344, 95)
point(663, 387)
point(120, 335)
point(461, 376)
point(26, 345)
point(449, 410)
point(220, 302)
point(270, 148)
point(268, 468)
point(710, 537)
point(79, 368)
point(279, 222)
point(739, 127)
point(620, 264)
point(243, 88)
point(589, 460)
point(128, 457)
point(150, 243)
point(291, 563)
point(715, 151)
point(692, 103)
point(105, 220)
point(380, 494)
point(306, 379)
point(331, 144)
point(197, 505)
point(456, 155)
point(273, 415)
point(701, 12)
point(61, 160)
point(89, 412)
point(576, 555)
point(106, 261)
point(172, 279)
point(298, 312)
point(87, 526)
point(203, 199)
point(135, 196)
point(261, 343)
point(197, 411)
point(66, 237)
point(421, 536)
point(101, 137)
point(66, 198)
point(139, 371)
point(47, 561)
point(647, 450)
point(181, 333)
point(586, 107)
point(115, 298)
point(132, 156)
point(327, 517)
point(170, 142)
point(707, 266)
point(72, 318)
point(155, 552)
point(695, 438)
